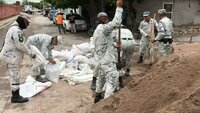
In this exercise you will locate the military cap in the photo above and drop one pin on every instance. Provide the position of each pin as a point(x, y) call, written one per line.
point(146, 13)
point(161, 11)
point(102, 14)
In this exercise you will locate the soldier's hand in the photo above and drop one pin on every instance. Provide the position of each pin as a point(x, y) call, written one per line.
point(153, 40)
point(119, 3)
point(51, 60)
point(120, 65)
point(33, 56)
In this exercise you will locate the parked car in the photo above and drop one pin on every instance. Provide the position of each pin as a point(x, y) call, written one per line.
point(52, 13)
point(45, 12)
point(79, 21)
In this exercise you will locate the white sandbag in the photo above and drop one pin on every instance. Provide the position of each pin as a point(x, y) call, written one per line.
point(64, 55)
point(80, 62)
point(39, 60)
point(56, 53)
point(77, 51)
point(81, 59)
point(53, 71)
point(76, 76)
point(77, 60)
point(32, 87)
point(85, 47)
point(83, 66)
point(73, 64)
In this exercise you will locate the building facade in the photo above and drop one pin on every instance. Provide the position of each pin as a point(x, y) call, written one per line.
point(182, 12)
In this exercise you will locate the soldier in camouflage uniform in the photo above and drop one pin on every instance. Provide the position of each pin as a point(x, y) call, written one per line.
point(44, 44)
point(127, 47)
point(105, 51)
point(12, 54)
point(145, 29)
point(164, 37)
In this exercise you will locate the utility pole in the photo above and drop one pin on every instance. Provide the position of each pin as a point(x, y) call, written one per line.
point(43, 4)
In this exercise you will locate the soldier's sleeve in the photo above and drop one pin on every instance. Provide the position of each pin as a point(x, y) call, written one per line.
point(19, 41)
point(161, 31)
point(172, 26)
point(50, 52)
point(141, 30)
point(110, 26)
point(156, 24)
point(44, 48)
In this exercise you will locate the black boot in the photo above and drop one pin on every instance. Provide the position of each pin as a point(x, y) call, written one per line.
point(127, 72)
point(16, 98)
point(93, 85)
point(121, 84)
point(98, 97)
point(140, 60)
point(39, 78)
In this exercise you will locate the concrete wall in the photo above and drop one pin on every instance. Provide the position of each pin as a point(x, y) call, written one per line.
point(182, 14)
point(8, 11)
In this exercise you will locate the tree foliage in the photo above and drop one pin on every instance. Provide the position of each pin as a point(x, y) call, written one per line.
point(2, 2)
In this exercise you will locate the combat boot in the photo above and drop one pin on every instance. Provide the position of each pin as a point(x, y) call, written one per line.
point(140, 60)
point(98, 97)
point(121, 84)
point(127, 72)
point(39, 78)
point(16, 98)
point(93, 85)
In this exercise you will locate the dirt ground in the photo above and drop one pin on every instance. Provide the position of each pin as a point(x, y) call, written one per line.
point(172, 85)
point(169, 86)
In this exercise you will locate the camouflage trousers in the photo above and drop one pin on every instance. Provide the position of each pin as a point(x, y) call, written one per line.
point(144, 48)
point(127, 56)
point(14, 76)
point(107, 79)
point(95, 73)
point(164, 49)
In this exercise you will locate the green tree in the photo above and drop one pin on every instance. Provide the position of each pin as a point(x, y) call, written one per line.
point(2, 2)
point(132, 11)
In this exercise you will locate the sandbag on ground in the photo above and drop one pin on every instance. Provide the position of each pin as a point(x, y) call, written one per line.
point(53, 71)
point(32, 87)
point(76, 76)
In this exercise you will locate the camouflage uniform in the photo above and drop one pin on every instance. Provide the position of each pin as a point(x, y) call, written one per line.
point(127, 46)
point(165, 30)
point(145, 30)
point(12, 54)
point(42, 42)
point(105, 50)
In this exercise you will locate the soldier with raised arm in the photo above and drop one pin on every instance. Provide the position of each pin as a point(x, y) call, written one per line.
point(105, 50)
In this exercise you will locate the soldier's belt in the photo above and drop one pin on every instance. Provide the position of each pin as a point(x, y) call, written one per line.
point(166, 40)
